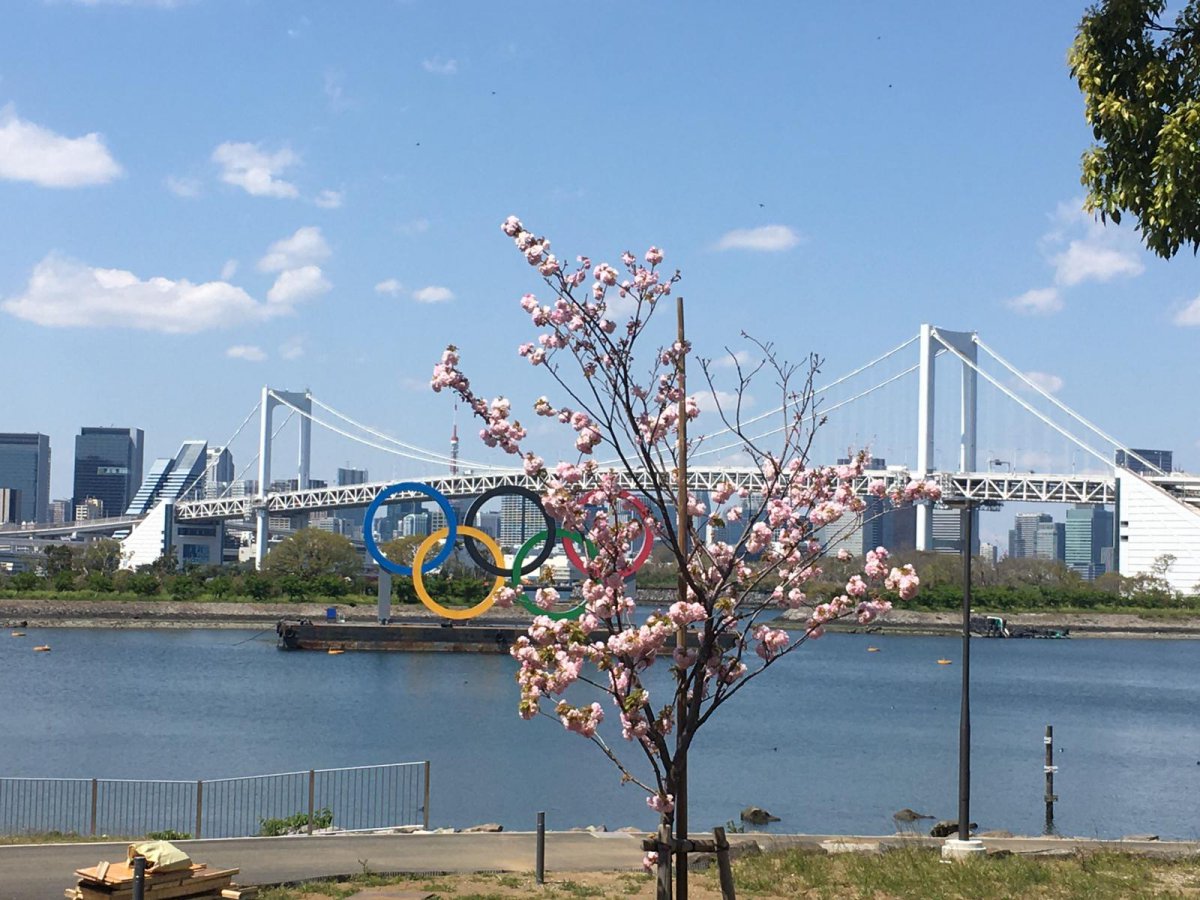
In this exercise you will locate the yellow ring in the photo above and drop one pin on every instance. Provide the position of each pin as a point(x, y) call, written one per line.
point(419, 584)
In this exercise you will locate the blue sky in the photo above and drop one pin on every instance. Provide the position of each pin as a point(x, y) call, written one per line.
point(205, 196)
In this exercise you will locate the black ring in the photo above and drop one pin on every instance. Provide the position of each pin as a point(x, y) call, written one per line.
point(473, 549)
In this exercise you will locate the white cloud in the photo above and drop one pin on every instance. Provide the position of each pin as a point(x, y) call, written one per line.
point(1081, 248)
point(229, 269)
point(188, 188)
point(439, 66)
point(29, 152)
point(1189, 315)
point(305, 247)
point(257, 172)
point(65, 293)
point(729, 360)
point(1051, 384)
point(768, 239)
point(433, 294)
point(1089, 260)
point(292, 348)
point(328, 199)
point(391, 287)
point(296, 285)
point(707, 400)
point(1037, 302)
point(247, 352)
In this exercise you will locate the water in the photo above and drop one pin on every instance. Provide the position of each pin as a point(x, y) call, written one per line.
point(833, 739)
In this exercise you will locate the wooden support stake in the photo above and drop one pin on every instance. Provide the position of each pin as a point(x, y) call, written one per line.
point(664, 863)
point(724, 870)
point(539, 859)
point(95, 795)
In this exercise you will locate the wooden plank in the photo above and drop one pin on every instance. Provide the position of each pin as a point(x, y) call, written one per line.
point(206, 882)
point(117, 874)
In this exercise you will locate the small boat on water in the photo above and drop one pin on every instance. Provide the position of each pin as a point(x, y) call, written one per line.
point(945, 662)
point(18, 634)
point(872, 649)
point(333, 651)
point(42, 648)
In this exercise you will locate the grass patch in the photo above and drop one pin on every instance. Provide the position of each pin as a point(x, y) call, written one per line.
point(903, 873)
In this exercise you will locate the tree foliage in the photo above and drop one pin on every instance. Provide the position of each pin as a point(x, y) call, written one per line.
point(310, 553)
point(1140, 79)
point(615, 392)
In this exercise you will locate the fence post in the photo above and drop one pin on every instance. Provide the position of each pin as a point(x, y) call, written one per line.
point(1049, 768)
point(665, 845)
point(724, 870)
point(426, 806)
point(95, 796)
point(199, 805)
point(312, 793)
point(539, 856)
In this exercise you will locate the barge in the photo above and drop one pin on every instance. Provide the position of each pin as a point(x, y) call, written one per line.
point(492, 637)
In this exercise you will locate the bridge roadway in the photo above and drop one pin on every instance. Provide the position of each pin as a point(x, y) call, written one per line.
point(40, 871)
point(981, 486)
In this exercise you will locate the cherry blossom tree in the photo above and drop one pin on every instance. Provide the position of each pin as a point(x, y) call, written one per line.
point(743, 553)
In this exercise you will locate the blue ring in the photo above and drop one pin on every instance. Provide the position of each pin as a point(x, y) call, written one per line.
point(433, 494)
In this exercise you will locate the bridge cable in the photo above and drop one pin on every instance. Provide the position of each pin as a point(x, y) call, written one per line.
point(815, 413)
point(361, 440)
point(1027, 407)
point(433, 454)
point(782, 407)
point(232, 438)
point(1078, 418)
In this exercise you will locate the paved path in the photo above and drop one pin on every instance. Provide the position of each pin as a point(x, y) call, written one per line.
point(42, 871)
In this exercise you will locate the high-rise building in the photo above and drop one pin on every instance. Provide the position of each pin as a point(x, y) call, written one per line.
point(89, 510)
point(415, 524)
point(218, 472)
point(948, 531)
point(10, 506)
point(25, 466)
point(1049, 541)
point(989, 552)
point(61, 512)
point(1159, 459)
point(108, 466)
point(519, 521)
point(351, 476)
point(1089, 533)
point(171, 478)
point(1022, 539)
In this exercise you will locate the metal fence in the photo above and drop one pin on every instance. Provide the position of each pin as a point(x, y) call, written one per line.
point(352, 799)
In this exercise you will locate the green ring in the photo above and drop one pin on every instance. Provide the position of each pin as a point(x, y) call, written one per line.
point(518, 561)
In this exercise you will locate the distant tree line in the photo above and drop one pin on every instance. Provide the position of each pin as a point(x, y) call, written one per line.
point(310, 564)
point(315, 564)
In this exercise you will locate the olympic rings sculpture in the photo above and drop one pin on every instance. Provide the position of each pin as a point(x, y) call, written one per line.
point(494, 566)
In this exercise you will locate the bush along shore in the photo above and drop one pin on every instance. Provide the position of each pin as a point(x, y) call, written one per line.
point(313, 570)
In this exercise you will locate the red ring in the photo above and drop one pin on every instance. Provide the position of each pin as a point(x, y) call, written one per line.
point(647, 539)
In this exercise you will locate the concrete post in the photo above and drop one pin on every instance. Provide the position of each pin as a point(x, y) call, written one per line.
point(925, 400)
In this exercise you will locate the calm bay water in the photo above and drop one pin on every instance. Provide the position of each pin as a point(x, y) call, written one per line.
point(834, 739)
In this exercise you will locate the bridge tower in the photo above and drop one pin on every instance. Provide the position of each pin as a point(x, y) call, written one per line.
point(932, 341)
point(302, 403)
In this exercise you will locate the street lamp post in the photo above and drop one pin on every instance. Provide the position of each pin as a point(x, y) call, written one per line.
point(964, 846)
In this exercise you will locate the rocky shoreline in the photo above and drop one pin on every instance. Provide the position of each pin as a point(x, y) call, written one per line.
point(54, 613)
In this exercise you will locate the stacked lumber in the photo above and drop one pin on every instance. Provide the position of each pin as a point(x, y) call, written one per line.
point(114, 881)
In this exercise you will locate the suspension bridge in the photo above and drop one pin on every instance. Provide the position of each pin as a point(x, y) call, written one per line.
point(1157, 511)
